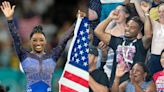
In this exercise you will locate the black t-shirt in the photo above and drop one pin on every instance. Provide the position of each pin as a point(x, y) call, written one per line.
point(100, 77)
point(138, 53)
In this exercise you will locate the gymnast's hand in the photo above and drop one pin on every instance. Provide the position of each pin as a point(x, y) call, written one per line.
point(7, 10)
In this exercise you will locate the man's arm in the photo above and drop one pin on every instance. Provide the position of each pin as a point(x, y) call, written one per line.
point(96, 87)
point(137, 4)
point(147, 38)
point(100, 29)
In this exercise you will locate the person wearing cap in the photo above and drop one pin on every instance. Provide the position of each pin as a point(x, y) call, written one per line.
point(98, 80)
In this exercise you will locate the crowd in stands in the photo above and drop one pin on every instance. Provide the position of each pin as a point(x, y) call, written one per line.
point(126, 51)
point(129, 37)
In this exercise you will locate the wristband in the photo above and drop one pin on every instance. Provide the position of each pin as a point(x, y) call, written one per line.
point(147, 14)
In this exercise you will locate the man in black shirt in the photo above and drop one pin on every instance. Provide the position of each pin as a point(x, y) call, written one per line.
point(128, 49)
point(98, 80)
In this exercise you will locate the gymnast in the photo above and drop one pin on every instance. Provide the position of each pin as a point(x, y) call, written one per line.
point(37, 64)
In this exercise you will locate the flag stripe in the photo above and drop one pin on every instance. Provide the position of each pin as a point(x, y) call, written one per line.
point(73, 85)
point(66, 89)
point(75, 78)
point(74, 38)
point(75, 70)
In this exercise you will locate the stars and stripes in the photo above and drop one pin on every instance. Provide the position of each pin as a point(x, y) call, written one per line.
point(75, 76)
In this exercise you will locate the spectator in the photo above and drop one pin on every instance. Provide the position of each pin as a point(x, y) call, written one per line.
point(154, 10)
point(124, 13)
point(108, 54)
point(94, 12)
point(98, 80)
point(116, 27)
point(159, 76)
point(158, 35)
point(139, 79)
point(128, 49)
point(94, 17)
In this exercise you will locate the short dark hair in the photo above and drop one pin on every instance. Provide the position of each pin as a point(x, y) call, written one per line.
point(138, 21)
point(37, 29)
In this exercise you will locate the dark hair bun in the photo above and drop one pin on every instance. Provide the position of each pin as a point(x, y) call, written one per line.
point(38, 28)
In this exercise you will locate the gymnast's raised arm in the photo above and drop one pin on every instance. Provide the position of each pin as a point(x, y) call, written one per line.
point(8, 11)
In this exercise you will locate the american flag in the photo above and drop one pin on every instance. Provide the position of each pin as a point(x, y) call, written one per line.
point(75, 76)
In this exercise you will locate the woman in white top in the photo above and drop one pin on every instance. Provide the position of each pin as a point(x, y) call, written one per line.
point(158, 34)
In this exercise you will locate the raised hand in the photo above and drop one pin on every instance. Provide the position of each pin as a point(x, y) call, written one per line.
point(145, 6)
point(114, 14)
point(103, 47)
point(7, 10)
point(81, 14)
point(120, 70)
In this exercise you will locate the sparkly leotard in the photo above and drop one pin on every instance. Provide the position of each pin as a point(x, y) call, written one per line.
point(38, 69)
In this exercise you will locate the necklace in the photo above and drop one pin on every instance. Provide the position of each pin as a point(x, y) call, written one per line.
point(125, 52)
